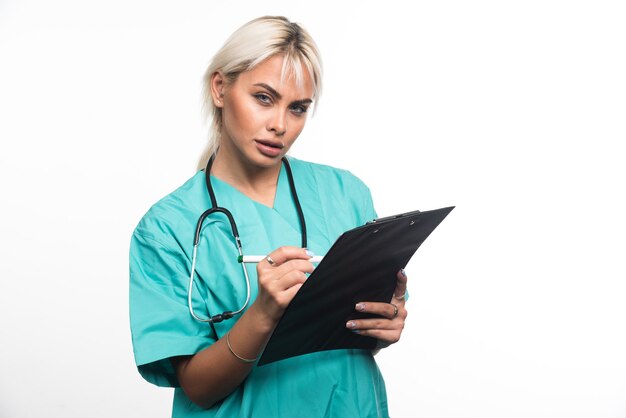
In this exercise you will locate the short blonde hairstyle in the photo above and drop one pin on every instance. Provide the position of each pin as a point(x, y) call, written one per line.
point(247, 47)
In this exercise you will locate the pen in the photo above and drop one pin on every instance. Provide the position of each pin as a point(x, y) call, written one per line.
point(259, 258)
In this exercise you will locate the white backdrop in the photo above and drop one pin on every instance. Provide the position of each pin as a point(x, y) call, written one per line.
point(512, 111)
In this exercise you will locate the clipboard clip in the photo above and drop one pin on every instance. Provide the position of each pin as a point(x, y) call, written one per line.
point(389, 218)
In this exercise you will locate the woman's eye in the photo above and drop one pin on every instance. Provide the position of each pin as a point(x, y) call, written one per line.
point(299, 109)
point(263, 98)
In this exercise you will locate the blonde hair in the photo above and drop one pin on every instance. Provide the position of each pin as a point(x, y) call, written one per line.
point(249, 46)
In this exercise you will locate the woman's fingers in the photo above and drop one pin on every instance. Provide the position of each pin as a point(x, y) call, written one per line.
point(385, 337)
point(400, 290)
point(304, 266)
point(375, 323)
point(392, 316)
point(291, 278)
point(387, 328)
point(281, 292)
point(387, 310)
point(287, 274)
point(280, 276)
point(283, 254)
point(289, 266)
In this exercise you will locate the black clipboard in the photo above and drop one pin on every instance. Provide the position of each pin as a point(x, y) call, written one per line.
point(360, 266)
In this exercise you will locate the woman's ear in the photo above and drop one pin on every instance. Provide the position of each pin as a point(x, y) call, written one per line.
point(217, 89)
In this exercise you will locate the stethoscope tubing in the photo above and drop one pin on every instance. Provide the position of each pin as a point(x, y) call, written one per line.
point(227, 314)
point(214, 209)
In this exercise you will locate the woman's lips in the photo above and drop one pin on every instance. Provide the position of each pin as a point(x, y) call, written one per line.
point(269, 148)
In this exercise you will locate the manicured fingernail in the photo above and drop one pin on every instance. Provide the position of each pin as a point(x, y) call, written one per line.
point(356, 331)
point(309, 252)
point(402, 272)
point(360, 307)
point(350, 324)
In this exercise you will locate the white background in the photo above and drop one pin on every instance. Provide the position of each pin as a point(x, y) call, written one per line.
point(512, 111)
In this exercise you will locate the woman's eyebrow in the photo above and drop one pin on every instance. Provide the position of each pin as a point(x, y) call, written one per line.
point(280, 96)
point(270, 89)
point(302, 102)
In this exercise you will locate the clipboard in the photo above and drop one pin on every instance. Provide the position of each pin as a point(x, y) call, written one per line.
point(360, 266)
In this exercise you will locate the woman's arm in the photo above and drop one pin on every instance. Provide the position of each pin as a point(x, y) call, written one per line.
point(213, 373)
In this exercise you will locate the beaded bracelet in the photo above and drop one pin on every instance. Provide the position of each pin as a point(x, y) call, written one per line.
point(245, 360)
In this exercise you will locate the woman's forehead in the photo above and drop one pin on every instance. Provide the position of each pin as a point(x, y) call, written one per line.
point(283, 75)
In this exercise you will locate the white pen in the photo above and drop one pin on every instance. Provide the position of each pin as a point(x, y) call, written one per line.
point(259, 258)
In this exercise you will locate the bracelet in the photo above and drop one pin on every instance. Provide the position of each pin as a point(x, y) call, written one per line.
point(245, 360)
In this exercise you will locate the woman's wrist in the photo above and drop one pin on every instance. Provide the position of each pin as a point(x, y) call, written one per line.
point(246, 339)
point(261, 321)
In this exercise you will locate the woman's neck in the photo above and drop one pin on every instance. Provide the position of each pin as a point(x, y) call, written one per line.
point(258, 183)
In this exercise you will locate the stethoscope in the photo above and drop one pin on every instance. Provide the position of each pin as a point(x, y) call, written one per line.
point(215, 208)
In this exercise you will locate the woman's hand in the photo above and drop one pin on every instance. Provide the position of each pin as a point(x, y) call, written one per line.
point(280, 276)
point(387, 329)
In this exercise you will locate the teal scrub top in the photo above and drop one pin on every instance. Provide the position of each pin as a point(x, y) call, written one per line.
point(338, 383)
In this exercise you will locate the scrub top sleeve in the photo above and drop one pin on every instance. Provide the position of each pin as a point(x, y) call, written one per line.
point(161, 324)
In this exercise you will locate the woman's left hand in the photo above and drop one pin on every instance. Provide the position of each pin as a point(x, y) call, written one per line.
point(388, 328)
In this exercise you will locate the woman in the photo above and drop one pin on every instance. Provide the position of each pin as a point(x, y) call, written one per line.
point(259, 88)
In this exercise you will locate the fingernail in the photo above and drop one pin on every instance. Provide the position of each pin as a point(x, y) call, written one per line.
point(309, 252)
point(402, 272)
point(356, 331)
point(350, 324)
point(360, 306)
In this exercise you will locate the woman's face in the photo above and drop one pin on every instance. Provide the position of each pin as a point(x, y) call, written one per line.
point(262, 115)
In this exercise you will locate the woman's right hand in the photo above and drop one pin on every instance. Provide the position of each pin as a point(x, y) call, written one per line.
point(279, 282)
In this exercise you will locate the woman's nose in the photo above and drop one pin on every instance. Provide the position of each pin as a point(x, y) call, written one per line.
point(277, 123)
